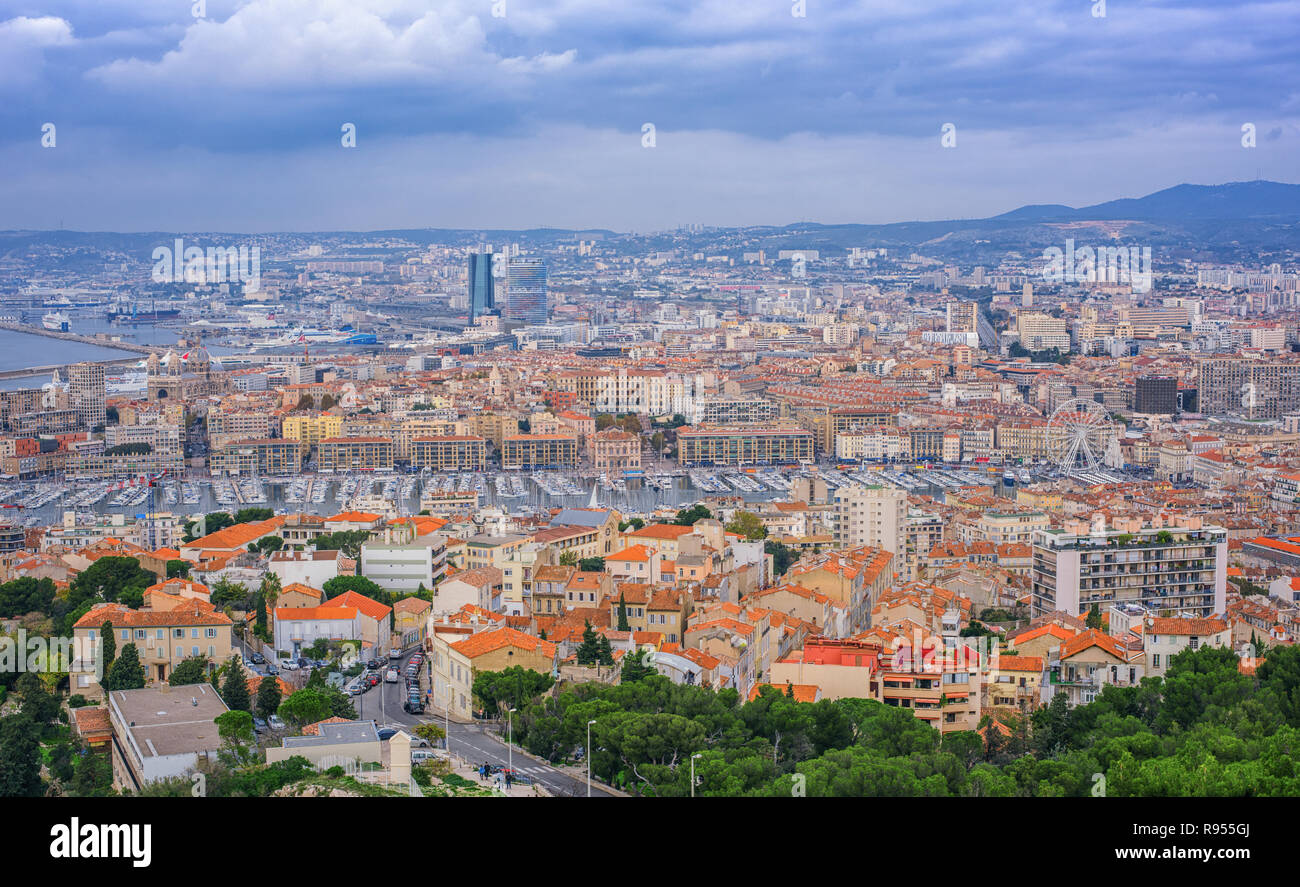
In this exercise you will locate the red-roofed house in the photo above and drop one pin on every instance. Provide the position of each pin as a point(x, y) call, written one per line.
point(455, 662)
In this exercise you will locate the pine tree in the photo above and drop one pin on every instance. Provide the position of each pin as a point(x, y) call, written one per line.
point(268, 696)
point(259, 619)
point(588, 652)
point(20, 758)
point(234, 690)
point(623, 624)
point(127, 673)
point(110, 644)
point(604, 652)
point(1094, 617)
point(190, 671)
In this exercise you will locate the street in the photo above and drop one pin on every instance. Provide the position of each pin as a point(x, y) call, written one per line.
point(475, 743)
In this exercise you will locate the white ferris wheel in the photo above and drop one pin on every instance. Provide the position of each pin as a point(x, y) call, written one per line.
point(1079, 434)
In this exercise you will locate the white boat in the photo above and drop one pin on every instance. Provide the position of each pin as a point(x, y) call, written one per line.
point(57, 321)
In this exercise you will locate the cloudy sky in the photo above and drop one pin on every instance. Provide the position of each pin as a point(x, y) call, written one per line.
point(520, 113)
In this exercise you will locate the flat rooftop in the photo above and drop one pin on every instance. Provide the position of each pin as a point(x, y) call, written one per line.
point(163, 721)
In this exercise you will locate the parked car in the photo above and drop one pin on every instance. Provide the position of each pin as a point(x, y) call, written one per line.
point(372, 680)
point(288, 665)
point(259, 725)
point(275, 722)
point(355, 688)
point(259, 659)
point(386, 733)
point(271, 669)
point(373, 663)
point(391, 676)
point(394, 653)
point(413, 707)
point(421, 754)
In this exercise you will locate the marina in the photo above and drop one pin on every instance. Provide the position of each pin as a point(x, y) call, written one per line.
point(34, 504)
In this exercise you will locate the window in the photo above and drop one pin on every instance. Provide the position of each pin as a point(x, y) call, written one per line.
point(194, 651)
point(140, 633)
point(180, 652)
point(1155, 660)
point(178, 632)
point(210, 632)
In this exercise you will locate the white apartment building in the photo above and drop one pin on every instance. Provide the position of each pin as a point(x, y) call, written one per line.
point(648, 392)
point(875, 516)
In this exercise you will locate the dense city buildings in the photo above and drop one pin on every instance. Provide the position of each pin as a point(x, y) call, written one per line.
point(931, 482)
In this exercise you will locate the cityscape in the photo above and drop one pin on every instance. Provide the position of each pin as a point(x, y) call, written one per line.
point(1005, 504)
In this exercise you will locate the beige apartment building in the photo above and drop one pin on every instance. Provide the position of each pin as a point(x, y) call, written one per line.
point(163, 639)
point(356, 454)
point(614, 450)
point(309, 429)
point(539, 451)
point(722, 445)
point(452, 452)
point(253, 457)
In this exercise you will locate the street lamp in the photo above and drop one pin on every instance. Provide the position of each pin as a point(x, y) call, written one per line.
point(693, 757)
point(589, 723)
point(510, 748)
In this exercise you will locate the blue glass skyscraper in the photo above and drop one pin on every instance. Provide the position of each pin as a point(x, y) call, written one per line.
point(528, 300)
point(482, 296)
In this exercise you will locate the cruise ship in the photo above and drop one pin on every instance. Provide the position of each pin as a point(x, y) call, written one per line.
point(58, 321)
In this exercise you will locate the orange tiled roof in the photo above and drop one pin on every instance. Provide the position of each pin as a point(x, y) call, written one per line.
point(1093, 637)
point(488, 641)
point(365, 605)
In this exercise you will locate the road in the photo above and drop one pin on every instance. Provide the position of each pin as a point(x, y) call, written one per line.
point(473, 742)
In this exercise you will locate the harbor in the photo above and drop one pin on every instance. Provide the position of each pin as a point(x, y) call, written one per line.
point(512, 492)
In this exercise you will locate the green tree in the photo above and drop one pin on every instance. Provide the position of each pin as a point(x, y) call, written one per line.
point(20, 758)
point(361, 585)
point(569, 558)
point(635, 667)
point(268, 696)
point(604, 651)
point(253, 514)
point(234, 688)
point(234, 595)
point(127, 673)
point(687, 517)
point(588, 652)
point(239, 740)
point(191, 670)
point(306, 706)
point(111, 579)
point(782, 556)
point(623, 623)
point(37, 702)
point(592, 565)
point(178, 569)
point(1094, 617)
point(26, 595)
point(747, 524)
point(109, 638)
point(347, 541)
point(498, 691)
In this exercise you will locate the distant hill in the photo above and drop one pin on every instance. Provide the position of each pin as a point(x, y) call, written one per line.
point(1234, 200)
